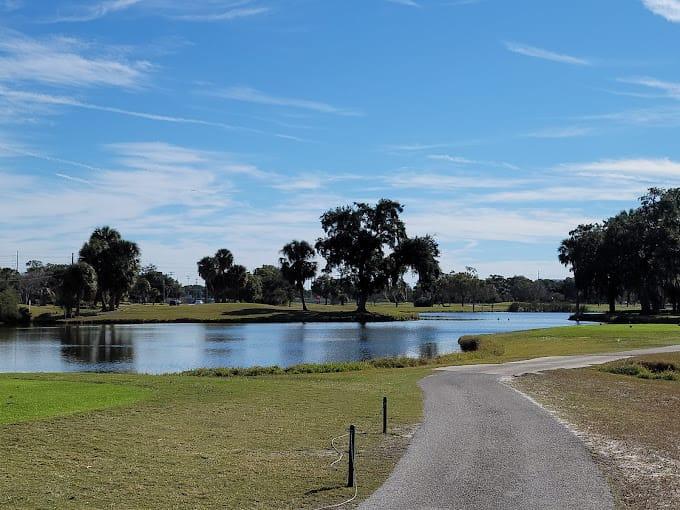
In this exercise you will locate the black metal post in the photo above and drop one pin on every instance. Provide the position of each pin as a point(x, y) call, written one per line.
point(350, 455)
point(384, 415)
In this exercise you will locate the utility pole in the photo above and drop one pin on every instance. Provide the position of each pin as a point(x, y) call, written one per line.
point(72, 259)
point(17, 261)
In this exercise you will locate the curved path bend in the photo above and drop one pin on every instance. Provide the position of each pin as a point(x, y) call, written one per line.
point(484, 445)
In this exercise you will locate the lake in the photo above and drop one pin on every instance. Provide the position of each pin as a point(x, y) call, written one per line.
point(162, 348)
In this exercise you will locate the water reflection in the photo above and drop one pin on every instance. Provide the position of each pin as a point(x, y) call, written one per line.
point(96, 345)
point(428, 350)
point(161, 348)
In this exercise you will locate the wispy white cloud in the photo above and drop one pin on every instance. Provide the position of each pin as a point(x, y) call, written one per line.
point(408, 3)
point(452, 159)
point(65, 62)
point(11, 5)
point(212, 11)
point(670, 89)
point(228, 15)
point(17, 150)
point(535, 52)
point(669, 9)
point(567, 193)
point(96, 10)
point(74, 179)
point(33, 98)
point(452, 223)
point(251, 95)
point(458, 160)
point(299, 184)
point(560, 132)
point(659, 168)
point(444, 182)
point(420, 147)
point(662, 116)
point(22, 96)
point(456, 3)
point(164, 157)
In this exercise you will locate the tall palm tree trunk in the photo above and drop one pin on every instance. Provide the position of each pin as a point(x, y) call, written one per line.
point(302, 298)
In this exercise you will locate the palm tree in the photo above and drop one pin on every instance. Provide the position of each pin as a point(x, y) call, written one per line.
point(208, 271)
point(297, 266)
point(223, 260)
point(116, 262)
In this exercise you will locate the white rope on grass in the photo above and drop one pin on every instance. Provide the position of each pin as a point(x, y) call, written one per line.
point(339, 452)
point(340, 456)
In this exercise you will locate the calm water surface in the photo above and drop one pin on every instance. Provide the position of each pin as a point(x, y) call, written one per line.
point(162, 348)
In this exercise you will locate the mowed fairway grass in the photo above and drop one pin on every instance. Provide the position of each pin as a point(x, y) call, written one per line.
point(26, 400)
point(197, 442)
point(583, 339)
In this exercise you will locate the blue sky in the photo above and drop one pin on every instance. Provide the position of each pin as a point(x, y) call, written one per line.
point(191, 126)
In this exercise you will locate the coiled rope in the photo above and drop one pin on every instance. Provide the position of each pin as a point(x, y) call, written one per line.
point(341, 454)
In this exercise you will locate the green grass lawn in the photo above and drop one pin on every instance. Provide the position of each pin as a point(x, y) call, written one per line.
point(198, 442)
point(25, 400)
point(583, 339)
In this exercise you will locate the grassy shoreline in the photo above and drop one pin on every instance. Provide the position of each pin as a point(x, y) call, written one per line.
point(629, 317)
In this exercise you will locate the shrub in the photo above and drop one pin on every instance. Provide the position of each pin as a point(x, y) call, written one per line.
point(660, 366)
point(398, 362)
point(325, 368)
point(632, 369)
point(517, 306)
point(642, 369)
point(469, 343)
point(9, 307)
point(422, 302)
point(514, 307)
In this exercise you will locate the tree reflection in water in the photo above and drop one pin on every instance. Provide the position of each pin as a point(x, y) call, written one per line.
point(428, 351)
point(94, 345)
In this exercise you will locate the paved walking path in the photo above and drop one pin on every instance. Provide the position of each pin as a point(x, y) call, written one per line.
point(483, 445)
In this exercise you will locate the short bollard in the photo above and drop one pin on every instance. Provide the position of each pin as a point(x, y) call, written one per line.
point(384, 415)
point(350, 455)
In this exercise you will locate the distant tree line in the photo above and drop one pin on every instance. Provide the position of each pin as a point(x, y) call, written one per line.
point(633, 256)
point(364, 255)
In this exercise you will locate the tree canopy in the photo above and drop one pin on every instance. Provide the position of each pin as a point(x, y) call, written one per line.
point(116, 263)
point(78, 282)
point(635, 252)
point(364, 244)
point(297, 266)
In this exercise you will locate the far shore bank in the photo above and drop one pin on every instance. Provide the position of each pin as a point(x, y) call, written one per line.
point(247, 313)
point(627, 317)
